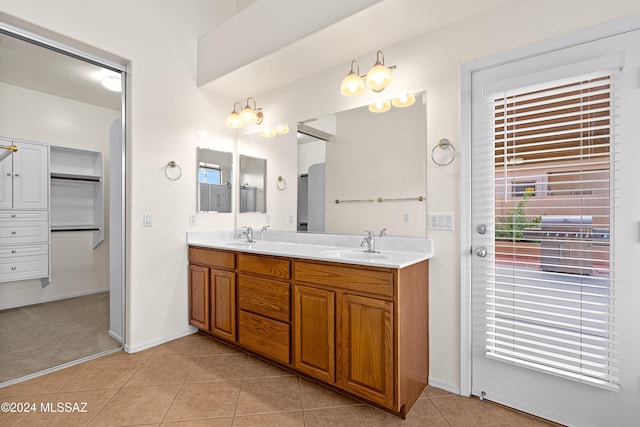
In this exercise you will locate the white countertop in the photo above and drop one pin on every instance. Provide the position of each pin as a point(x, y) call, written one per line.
point(392, 252)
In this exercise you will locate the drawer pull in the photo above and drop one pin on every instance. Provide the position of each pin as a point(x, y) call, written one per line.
point(13, 232)
point(13, 215)
point(13, 251)
point(13, 268)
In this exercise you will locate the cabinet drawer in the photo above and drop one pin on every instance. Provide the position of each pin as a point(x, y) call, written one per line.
point(280, 268)
point(212, 257)
point(264, 336)
point(352, 278)
point(24, 232)
point(23, 216)
point(22, 251)
point(266, 297)
point(23, 267)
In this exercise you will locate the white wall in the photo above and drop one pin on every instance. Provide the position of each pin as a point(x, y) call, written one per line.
point(76, 268)
point(169, 112)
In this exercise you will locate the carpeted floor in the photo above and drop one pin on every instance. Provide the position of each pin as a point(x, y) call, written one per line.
point(41, 336)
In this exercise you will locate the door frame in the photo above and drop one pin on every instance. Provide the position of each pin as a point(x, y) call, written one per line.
point(598, 32)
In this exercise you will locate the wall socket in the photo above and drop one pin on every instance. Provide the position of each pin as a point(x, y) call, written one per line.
point(147, 219)
point(441, 221)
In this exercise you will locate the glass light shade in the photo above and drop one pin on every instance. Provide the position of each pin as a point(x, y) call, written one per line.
point(380, 106)
point(234, 121)
point(247, 115)
point(268, 133)
point(352, 85)
point(404, 100)
point(378, 77)
point(282, 129)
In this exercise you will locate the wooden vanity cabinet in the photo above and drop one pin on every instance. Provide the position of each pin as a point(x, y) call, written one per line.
point(373, 324)
point(212, 292)
point(264, 306)
point(360, 329)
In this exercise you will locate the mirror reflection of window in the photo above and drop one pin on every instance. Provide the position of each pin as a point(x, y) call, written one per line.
point(214, 181)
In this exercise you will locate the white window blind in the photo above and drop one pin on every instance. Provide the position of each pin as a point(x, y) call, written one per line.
point(551, 291)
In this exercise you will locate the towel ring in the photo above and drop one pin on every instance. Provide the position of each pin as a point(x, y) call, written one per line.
point(282, 183)
point(173, 171)
point(445, 145)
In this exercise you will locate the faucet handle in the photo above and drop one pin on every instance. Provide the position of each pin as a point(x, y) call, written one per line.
point(383, 232)
point(369, 233)
point(246, 228)
point(264, 227)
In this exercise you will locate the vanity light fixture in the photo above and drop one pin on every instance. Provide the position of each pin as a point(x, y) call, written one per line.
point(380, 106)
point(233, 119)
point(352, 84)
point(378, 78)
point(404, 100)
point(244, 116)
point(278, 130)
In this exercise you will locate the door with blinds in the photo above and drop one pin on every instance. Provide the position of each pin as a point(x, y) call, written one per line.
point(546, 138)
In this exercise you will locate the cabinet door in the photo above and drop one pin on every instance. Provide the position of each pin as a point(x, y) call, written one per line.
point(365, 348)
point(30, 176)
point(314, 326)
point(223, 304)
point(199, 296)
point(6, 182)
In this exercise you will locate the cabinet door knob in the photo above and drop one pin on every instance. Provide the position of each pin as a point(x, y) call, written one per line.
point(16, 174)
point(13, 232)
point(13, 268)
point(13, 251)
point(8, 173)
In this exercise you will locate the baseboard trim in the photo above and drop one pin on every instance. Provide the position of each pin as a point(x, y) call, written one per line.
point(146, 345)
point(58, 298)
point(115, 336)
point(451, 388)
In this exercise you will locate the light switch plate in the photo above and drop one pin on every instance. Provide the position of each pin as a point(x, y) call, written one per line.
point(441, 221)
point(147, 219)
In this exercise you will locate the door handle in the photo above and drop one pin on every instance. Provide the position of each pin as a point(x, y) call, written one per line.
point(481, 252)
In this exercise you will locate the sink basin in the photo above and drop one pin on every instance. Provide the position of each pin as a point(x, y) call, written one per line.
point(353, 254)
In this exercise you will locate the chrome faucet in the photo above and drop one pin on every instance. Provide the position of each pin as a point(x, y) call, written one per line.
point(370, 241)
point(248, 233)
point(383, 232)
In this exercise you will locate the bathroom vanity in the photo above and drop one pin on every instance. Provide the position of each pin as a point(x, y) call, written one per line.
point(354, 321)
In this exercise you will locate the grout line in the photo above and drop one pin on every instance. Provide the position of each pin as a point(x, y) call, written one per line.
point(184, 381)
point(440, 412)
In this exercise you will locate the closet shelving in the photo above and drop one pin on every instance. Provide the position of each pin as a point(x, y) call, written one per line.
point(77, 191)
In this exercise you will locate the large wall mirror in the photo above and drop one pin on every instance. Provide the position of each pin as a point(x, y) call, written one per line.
point(215, 175)
point(358, 157)
point(253, 179)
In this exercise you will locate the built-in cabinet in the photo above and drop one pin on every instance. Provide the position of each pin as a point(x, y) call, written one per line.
point(77, 191)
point(24, 214)
point(359, 329)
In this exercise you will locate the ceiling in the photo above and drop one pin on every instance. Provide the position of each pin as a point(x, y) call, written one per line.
point(33, 67)
point(381, 25)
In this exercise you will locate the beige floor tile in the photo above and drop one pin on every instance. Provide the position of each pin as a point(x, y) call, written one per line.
point(281, 419)
point(315, 396)
point(431, 391)
point(122, 355)
point(348, 416)
point(69, 408)
point(267, 395)
point(44, 384)
point(458, 410)
point(257, 368)
point(219, 367)
point(172, 370)
point(204, 400)
point(137, 405)
point(103, 375)
point(423, 413)
point(526, 420)
point(192, 345)
point(211, 422)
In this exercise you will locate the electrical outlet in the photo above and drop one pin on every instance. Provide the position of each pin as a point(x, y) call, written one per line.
point(406, 217)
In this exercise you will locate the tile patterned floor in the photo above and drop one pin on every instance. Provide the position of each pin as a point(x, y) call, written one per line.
point(197, 381)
